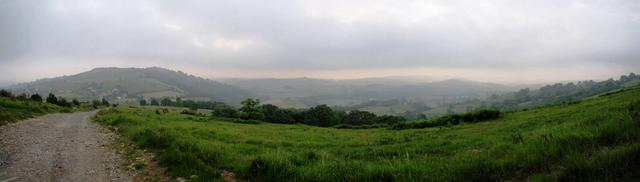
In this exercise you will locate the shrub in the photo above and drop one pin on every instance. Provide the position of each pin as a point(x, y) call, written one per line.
point(452, 119)
point(52, 99)
point(188, 112)
point(5, 93)
point(36, 97)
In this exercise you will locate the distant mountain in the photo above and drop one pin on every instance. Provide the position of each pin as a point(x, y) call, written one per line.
point(380, 95)
point(132, 84)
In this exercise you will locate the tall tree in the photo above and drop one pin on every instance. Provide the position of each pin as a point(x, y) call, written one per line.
point(250, 109)
point(320, 115)
point(276, 115)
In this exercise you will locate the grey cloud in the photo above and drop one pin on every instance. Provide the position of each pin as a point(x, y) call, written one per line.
point(325, 35)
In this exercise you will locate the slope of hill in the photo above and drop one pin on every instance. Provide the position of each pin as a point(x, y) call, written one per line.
point(596, 139)
point(132, 84)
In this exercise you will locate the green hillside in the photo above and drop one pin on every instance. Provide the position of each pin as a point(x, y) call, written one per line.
point(597, 139)
point(132, 84)
point(12, 109)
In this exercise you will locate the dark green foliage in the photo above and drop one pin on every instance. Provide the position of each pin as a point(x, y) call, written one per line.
point(63, 102)
point(154, 102)
point(273, 114)
point(96, 104)
point(5, 93)
point(451, 119)
point(221, 109)
point(356, 117)
point(251, 109)
point(143, 102)
point(36, 97)
point(320, 115)
point(634, 112)
point(22, 96)
point(105, 102)
point(52, 99)
point(166, 102)
point(388, 119)
point(75, 102)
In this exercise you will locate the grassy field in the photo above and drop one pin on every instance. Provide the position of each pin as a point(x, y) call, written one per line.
point(12, 109)
point(591, 140)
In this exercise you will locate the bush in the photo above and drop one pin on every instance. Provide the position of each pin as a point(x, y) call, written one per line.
point(4, 93)
point(36, 97)
point(188, 112)
point(357, 117)
point(452, 119)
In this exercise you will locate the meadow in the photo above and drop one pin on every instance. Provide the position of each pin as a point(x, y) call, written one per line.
point(596, 139)
point(12, 109)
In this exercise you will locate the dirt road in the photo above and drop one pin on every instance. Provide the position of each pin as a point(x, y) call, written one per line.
point(59, 147)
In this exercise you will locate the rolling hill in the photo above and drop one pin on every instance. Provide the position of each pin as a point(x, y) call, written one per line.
point(396, 96)
point(593, 139)
point(132, 84)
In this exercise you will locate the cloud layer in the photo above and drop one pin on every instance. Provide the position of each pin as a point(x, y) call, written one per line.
point(333, 35)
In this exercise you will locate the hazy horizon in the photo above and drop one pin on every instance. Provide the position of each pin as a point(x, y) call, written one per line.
point(489, 41)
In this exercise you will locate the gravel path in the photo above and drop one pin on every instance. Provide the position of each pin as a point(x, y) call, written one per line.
point(59, 147)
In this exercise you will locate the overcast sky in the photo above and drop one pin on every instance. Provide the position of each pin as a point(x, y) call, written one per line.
point(496, 40)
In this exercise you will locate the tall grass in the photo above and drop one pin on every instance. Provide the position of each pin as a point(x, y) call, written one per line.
point(13, 109)
point(594, 140)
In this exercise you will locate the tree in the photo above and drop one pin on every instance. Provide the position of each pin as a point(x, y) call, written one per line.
point(250, 109)
point(75, 102)
point(22, 96)
point(36, 97)
point(276, 115)
point(190, 104)
point(320, 115)
point(221, 109)
point(63, 102)
point(154, 102)
point(95, 104)
point(52, 99)
point(388, 119)
point(357, 117)
point(5, 93)
point(178, 102)
point(143, 102)
point(105, 102)
point(165, 102)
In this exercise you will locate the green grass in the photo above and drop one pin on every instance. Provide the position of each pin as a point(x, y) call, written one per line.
point(12, 109)
point(590, 140)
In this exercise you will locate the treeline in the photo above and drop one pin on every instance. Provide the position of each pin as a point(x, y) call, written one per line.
point(451, 119)
point(251, 109)
point(559, 92)
point(52, 99)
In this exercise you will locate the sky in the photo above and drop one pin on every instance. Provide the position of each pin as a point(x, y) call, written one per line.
point(503, 41)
